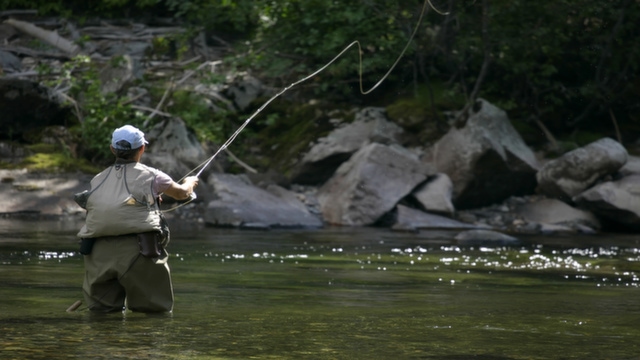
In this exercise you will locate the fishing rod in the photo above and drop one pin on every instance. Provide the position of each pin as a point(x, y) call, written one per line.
point(202, 166)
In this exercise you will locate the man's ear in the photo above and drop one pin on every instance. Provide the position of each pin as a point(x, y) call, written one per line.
point(113, 151)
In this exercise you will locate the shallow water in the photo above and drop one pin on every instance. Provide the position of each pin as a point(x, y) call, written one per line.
point(332, 294)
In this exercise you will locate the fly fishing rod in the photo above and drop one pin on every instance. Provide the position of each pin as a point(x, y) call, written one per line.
point(226, 144)
point(202, 166)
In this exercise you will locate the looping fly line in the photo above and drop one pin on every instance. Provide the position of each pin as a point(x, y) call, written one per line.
point(200, 168)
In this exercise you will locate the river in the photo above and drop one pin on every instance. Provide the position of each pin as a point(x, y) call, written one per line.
point(336, 293)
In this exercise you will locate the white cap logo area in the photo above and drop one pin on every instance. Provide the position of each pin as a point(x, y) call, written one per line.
point(127, 138)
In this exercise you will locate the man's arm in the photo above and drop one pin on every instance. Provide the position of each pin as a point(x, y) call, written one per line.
point(182, 191)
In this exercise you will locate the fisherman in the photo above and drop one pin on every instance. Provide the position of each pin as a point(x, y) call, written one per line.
point(125, 234)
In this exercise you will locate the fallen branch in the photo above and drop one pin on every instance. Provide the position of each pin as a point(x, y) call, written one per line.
point(547, 133)
point(75, 104)
point(18, 12)
point(50, 37)
point(615, 125)
point(19, 50)
point(157, 109)
point(21, 74)
point(240, 162)
point(153, 112)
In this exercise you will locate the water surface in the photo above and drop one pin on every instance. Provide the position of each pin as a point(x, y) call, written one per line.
point(332, 294)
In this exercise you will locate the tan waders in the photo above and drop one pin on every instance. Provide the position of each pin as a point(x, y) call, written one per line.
point(115, 270)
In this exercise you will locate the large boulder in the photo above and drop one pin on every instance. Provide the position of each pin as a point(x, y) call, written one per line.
point(238, 203)
point(321, 161)
point(616, 201)
point(370, 184)
point(487, 160)
point(577, 170)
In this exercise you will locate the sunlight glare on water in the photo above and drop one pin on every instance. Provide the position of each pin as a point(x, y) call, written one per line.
point(334, 294)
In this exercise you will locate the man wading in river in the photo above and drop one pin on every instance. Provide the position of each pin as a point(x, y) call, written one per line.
point(125, 234)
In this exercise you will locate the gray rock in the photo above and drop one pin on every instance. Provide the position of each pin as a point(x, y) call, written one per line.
point(616, 201)
point(40, 194)
point(435, 195)
point(238, 203)
point(243, 90)
point(577, 170)
point(556, 212)
point(485, 237)
point(320, 162)
point(487, 160)
point(413, 219)
point(120, 71)
point(631, 167)
point(174, 149)
point(370, 184)
point(9, 63)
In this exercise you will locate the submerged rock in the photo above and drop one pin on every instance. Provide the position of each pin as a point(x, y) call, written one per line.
point(408, 219)
point(556, 212)
point(485, 237)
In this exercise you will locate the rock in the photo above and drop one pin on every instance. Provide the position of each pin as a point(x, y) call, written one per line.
point(370, 184)
point(487, 160)
point(556, 212)
point(413, 219)
point(120, 71)
point(243, 90)
point(616, 201)
point(486, 238)
point(174, 149)
point(435, 195)
point(238, 203)
point(321, 161)
point(9, 63)
point(631, 167)
point(40, 194)
point(577, 170)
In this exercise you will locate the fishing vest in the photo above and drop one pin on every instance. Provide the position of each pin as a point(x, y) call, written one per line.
point(121, 202)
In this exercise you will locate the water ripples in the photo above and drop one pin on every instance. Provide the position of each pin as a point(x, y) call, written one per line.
point(606, 266)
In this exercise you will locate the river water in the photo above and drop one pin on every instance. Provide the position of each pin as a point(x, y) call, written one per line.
point(332, 294)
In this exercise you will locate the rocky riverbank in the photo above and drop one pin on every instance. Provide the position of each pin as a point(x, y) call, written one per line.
point(351, 167)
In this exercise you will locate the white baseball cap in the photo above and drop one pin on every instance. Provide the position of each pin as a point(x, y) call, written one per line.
point(132, 135)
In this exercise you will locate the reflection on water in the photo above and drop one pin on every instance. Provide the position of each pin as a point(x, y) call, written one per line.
point(332, 293)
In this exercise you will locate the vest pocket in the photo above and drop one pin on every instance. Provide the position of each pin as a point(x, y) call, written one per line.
point(86, 245)
point(150, 244)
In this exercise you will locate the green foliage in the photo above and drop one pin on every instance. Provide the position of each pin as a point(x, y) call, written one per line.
point(565, 62)
point(99, 114)
point(329, 27)
point(198, 115)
